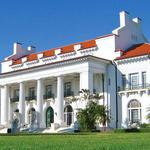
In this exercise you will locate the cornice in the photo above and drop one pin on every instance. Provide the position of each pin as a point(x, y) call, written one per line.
point(54, 64)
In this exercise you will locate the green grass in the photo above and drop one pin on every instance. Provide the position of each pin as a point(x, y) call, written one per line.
point(91, 141)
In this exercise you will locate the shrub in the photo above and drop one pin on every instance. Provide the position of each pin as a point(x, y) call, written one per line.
point(145, 130)
point(144, 125)
point(132, 130)
point(126, 130)
point(88, 117)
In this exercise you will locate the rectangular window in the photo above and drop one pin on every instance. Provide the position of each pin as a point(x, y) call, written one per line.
point(16, 93)
point(123, 82)
point(134, 115)
point(49, 91)
point(143, 79)
point(134, 80)
point(67, 89)
point(32, 92)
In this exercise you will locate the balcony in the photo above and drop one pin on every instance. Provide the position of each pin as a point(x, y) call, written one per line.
point(68, 93)
point(30, 98)
point(14, 99)
point(48, 96)
point(135, 89)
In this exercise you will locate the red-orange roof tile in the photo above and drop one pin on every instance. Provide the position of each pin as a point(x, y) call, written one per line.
point(16, 62)
point(88, 44)
point(32, 57)
point(49, 53)
point(67, 49)
point(135, 51)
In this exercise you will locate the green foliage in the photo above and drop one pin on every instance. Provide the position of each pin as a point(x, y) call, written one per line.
point(146, 130)
point(142, 130)
point(93, 112)
point(144, 125)
point(126, 130)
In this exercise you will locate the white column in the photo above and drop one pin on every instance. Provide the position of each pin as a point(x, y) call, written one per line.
point(40, 116)
point(22, 103)
point(86, 80)
point(4, 105)
point(60, 99)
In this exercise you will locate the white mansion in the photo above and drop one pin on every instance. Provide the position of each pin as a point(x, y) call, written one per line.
point(35, 88)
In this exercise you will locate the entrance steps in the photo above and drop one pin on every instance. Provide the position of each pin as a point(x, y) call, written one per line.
point(49, 130)
point(65, 130)
point(3, 131)
point(59, 130)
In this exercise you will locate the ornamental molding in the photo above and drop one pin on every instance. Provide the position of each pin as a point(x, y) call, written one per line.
point(133, 60)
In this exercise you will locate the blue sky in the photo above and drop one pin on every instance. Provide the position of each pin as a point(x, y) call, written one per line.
point(53, 23)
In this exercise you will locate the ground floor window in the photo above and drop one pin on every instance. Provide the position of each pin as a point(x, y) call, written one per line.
point(68, 115)
point(49, 116)
point(134, 111)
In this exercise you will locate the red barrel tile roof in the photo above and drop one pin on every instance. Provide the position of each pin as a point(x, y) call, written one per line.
point(88, 44)
point(135, 51)
point(16, 62)
point(67, 49)
point(32, 57)
point(64, 50)
point(49, 53)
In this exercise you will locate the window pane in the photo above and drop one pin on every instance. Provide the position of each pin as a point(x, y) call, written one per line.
point(134, 80)
point(134, 115)
point(16, 93)
point(49, 90)
point(67, 91)
point(143, 79)
point(31, 92)
point(123, 82)
point(134, 103)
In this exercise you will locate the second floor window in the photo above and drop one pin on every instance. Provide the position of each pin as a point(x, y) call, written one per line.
point(134, 80)
point(123, 82)
point(49, 90)
point(143, 79)
point(16, 93)
point(67, 89)
point(32, 92)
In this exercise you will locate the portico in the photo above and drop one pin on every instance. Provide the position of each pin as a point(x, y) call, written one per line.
point(40, 93)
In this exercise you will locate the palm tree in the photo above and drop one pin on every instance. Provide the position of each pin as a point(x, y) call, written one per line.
point(102, 115)
point(91, 114)
point(85, 94)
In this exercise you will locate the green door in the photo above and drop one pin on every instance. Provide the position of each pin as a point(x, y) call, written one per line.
point(49, 116)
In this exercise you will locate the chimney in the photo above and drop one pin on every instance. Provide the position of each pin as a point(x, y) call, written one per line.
point(124, 18)
point(137, 20)
point(31, 48)
point(17, 47)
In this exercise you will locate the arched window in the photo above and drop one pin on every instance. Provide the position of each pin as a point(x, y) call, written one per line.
point(32, 116)
point(68, 115)
point(134, 111)
point(49, 116)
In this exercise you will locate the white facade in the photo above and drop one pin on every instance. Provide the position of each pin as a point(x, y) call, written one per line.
point(139, 68)
point(36, 90)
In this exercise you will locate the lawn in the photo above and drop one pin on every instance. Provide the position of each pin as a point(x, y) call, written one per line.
point(93, 141)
